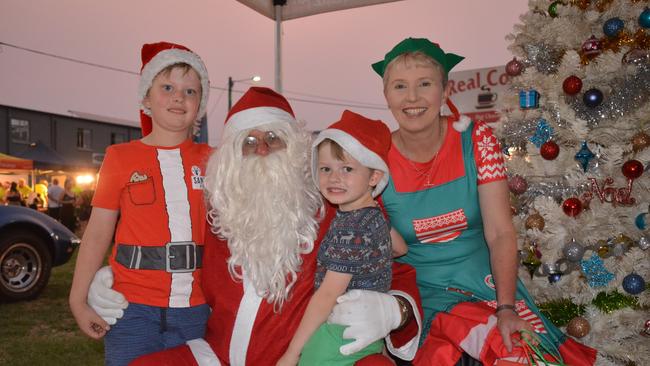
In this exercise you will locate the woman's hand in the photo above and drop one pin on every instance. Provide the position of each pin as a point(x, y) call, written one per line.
point(288, 359)
point(89, 322)
point(508, 323)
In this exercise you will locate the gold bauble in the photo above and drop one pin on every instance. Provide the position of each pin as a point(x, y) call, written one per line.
point(603, 248)
point(535, 221)
point(640, 141)
point(578, 327)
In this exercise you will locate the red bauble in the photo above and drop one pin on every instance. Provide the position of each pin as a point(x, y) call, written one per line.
point(572, 206)
point(632, 169)
point(517, 184)
point(572, 85)
point(514, 67)
point(549, 150)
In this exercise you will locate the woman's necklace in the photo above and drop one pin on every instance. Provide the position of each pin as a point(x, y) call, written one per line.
point(425, 172)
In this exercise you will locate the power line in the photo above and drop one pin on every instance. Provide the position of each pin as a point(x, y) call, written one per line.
point(345, 103)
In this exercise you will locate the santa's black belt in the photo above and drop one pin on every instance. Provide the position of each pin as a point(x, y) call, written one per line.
point(184, 256)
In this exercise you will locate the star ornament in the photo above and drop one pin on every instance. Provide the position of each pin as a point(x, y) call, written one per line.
point(584, 156)
point(543, 133)
point(595, 272)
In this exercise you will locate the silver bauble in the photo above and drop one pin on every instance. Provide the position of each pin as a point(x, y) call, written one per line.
point(573, 251)
point(644, 242)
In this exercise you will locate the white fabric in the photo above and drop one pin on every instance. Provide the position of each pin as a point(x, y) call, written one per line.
point(475, 339)
point(180, 223)
point(246, 315)
point(54, 193)
point(203, 353)
point(254, 117)
point(107, 303)
point(356, 149)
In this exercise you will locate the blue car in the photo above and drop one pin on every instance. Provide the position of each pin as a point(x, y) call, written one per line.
point(31, 243)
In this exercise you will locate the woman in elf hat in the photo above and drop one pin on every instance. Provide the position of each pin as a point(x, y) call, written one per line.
point(447, 195)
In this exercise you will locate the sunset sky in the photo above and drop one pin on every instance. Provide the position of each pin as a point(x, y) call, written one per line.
point(326, 57)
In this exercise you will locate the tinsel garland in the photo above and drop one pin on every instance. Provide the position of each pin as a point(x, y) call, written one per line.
point(560, 312)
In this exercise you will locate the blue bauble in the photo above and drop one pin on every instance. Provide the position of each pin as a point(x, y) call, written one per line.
point(553, 278)
point(644, 18)
point(613, 27)
point(592, 98)
point(633, 284)
point(641, 221)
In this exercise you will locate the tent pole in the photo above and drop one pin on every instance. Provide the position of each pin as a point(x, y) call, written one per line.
point(278, 47)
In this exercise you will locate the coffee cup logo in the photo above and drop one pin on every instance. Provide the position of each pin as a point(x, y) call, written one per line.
point(486, 98)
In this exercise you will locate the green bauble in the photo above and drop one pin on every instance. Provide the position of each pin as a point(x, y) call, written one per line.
point(552, 9)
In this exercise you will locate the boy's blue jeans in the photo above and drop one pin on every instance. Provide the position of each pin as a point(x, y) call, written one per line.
point(145, 329)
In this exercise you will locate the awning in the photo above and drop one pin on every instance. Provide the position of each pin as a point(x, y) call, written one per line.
point(43, 156)
point(9, 162)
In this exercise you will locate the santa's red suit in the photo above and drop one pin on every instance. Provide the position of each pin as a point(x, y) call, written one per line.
point(244, 329)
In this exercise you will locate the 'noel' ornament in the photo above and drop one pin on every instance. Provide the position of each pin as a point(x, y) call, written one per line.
point(644, 18)
point(572, 207)
point(633, 284)
point(613, 27)
point(592, 98)
point(514, 67)
point(578, 327)
point(584, 156)
point(640, 141)
point(572, 85)
point(550, 150)
point(632, 169)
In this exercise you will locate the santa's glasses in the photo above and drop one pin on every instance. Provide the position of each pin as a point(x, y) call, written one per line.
point(269, 138)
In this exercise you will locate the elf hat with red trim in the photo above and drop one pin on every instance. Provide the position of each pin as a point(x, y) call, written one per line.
point(366, 140)
point(156, 57)
point(258, 106)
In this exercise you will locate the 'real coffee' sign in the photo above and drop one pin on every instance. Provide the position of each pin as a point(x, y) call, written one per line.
point(476, 92)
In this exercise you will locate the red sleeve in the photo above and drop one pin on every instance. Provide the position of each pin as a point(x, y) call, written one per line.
point(108, 191)
point(404, 280)
point(487, 154)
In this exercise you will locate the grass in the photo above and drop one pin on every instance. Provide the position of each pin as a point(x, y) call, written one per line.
point(43, 331)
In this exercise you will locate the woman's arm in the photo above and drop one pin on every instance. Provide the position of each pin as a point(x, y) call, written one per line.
point(319, 308)
point(502, 241)
point(399, 246)
point(94, 244)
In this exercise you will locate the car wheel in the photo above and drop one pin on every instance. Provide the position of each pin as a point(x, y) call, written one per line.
point(25, 266)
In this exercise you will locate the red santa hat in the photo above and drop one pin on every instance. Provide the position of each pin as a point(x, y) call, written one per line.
point(366, 140)
point(156, 57)
point(258, 106)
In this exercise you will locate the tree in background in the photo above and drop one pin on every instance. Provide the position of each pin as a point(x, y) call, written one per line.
point(576, 134)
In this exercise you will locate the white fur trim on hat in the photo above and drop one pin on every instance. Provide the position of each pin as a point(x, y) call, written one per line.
point(254, 117)
point(357, 150)
point(169, 57)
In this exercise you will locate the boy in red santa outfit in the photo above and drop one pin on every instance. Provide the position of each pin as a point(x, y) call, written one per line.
point(154, 187)
point(267, 220)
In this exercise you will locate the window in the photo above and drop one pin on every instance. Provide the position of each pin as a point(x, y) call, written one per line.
point(84, 138)
point(117, 138)
point(19, 131)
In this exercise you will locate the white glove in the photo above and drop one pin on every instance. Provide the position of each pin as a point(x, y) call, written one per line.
point(368, 315)
point(107, 303)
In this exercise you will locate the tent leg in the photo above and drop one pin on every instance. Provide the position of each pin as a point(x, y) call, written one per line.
point(278, 48)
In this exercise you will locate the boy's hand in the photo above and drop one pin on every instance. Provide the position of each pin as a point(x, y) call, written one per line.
point(88, 321)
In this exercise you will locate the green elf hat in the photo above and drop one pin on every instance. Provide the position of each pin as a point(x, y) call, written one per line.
point(409, 45)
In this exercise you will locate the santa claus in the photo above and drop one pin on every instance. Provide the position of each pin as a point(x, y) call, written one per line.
point(266, 222)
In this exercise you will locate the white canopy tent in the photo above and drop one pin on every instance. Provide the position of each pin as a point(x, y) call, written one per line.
point(280, 10)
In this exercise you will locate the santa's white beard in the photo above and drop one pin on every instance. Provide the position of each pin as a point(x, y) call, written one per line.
point(265, 207)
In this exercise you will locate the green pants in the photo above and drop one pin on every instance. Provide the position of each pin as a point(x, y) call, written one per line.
point(323, 348)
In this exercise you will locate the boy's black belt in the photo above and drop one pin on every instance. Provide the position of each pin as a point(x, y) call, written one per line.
point(176, 257)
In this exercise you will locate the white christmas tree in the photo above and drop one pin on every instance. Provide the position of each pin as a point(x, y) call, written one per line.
point(575, 131)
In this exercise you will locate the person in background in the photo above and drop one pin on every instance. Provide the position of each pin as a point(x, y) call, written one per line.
point(41, 190)
point(13, 197)
point(448, 197)
point(4, 187)
point(68, 201)
point(54, 192)
point(155, 185)
point(349, 167)
point(24, 189)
